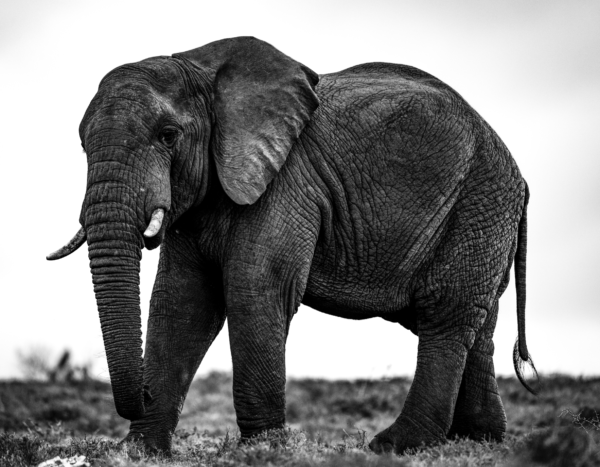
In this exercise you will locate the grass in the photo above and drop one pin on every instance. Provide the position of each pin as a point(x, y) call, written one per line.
point(330, 424)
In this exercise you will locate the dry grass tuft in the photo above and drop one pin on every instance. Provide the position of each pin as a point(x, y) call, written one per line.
point(573, 441)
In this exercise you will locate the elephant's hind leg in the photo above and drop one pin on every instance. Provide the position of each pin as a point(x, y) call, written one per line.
point(444, 343)
point(455, 299)
point(479, 413)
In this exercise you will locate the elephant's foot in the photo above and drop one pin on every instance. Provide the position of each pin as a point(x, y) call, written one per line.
point(487, 425)
point(276, 437)
point(401, 436)
point(267, 430)
point(478, 431)
point(154, 442)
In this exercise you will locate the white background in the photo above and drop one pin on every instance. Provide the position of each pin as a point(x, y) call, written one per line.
point(531, 68)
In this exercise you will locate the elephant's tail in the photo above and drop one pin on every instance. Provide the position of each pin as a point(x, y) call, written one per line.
point(521, 356)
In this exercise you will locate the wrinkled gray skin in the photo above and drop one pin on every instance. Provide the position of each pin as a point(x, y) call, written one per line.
point(373, 192)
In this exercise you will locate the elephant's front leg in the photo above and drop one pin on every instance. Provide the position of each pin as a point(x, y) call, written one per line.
point(264, 287)
point(187, 312)
point(258, 353)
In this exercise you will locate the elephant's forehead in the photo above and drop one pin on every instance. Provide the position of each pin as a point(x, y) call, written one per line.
point(154, 81)
point(131, 94)
point(159, 72)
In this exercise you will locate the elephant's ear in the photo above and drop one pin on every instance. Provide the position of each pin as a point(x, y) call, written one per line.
point(262, 101)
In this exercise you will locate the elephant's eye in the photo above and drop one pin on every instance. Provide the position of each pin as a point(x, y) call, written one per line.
point(168, 137)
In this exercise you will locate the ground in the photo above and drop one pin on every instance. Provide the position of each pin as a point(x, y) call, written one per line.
point(330, 424)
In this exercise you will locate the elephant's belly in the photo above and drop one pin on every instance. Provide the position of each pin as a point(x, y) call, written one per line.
point(355, 299)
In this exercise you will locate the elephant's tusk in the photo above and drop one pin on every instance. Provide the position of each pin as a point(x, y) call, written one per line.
point(155, 223)
point(78, 240)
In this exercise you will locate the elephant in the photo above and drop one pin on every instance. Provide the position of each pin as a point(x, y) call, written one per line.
point(376, 191)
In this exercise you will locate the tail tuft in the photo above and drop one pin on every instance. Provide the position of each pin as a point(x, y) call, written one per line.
point(521, 363)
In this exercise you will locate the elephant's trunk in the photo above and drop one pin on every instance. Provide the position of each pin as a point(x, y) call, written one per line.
point(115, 241)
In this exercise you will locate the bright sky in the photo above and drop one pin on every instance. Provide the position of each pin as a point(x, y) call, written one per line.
point(532, 69)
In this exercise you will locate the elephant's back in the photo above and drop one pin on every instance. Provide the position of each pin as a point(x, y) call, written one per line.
point(388, 76)
point(381, 70)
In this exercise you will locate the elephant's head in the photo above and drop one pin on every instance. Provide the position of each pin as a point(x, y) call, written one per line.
point(154, 134)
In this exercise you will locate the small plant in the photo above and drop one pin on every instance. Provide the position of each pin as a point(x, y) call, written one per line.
point(587, 419)
point(226, 444)
point(353, 442)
